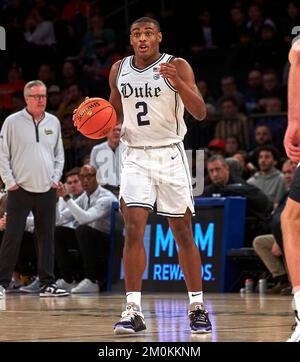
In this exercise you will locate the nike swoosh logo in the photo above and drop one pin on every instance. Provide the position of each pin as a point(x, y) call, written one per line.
point(128, 294)
point(195, 295)
point(125, 74)
point(173, 157)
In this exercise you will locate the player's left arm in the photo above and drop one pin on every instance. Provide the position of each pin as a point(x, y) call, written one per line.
point(181, 76)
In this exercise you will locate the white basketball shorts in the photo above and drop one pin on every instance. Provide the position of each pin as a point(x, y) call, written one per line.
point(158, 175)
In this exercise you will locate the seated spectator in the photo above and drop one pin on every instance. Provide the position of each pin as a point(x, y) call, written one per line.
point(90, 214)
point(235, 168)
point(232, 145)
point(229, 90)
point(274, 119)
point(72, 98)
point(14, 83)
point(237, 24)
point(272, 88)
point(46, 74)
point(268, 179)
point(40, 29)
point(258, 207)
point(217, 147)
point(262, 137)
point(247, 167)
point(97, 32)
point(269, 50)
point(71, 74)
point(253, 90)
point(99, 66)
point(205, 92)
point(73, 187)
point(106, 158)
point(268, 248)
point(54, 99)
point(233, 123)
point(257, 20)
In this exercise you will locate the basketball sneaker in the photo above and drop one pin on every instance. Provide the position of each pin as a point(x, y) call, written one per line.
point(52, 290)
point(132, 320)
point(199, 321)
point(295, 337)
point(62, 284)
point(32, 288)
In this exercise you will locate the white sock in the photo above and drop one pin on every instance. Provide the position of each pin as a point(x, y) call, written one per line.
point(134, 297)
point(196, 297)
point(297, 301)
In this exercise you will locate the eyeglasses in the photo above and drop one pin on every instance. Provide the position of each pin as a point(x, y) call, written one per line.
point(88, 176)
point(38, 96)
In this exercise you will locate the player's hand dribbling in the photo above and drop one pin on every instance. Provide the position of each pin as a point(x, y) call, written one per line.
point(75, 110)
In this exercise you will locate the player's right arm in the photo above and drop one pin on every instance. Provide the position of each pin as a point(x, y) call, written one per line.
point(115, 96)
point(292, 135)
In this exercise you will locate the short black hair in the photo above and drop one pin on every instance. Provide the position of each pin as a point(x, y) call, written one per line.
point(146, 19)
point(271, 149)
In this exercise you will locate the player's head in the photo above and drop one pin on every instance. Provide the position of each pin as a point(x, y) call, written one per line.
point(145, 36)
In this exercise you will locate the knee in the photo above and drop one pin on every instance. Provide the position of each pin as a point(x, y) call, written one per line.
point(257, 243)
point(133, 228)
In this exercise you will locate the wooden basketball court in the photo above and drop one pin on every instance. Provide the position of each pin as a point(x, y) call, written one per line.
point(235, 317)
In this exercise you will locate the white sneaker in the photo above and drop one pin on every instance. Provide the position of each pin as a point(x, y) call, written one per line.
point(32, 288)
point(2, 292)
point(62, 284)
point(85, 286)
point(295, 337)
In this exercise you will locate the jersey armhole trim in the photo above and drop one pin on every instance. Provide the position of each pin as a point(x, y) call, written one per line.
point(119, 70)
point(171, 57)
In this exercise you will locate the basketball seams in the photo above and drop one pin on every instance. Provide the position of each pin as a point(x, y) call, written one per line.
point(90, 110)
point(100, 110)
point(99, 129)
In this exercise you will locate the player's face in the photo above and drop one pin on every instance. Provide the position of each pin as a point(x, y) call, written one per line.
point(145, 39)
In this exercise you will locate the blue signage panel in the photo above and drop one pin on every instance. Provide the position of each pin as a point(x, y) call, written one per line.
point(163, 272)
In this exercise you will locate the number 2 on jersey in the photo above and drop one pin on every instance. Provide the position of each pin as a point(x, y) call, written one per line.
point(142, 113)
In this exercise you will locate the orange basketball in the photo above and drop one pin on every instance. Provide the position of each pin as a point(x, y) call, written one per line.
point(95, 117)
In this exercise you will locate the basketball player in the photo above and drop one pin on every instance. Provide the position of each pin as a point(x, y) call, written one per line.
point(149, 91)
point(290, 219)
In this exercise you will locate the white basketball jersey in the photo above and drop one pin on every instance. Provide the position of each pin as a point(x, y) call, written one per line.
point(153, 109)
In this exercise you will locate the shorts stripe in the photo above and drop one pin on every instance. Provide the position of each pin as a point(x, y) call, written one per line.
point(171, 214)
point(139, 204)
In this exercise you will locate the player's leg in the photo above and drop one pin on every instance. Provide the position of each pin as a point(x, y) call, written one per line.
point(134, 254)
point(175, 200)
point(190, 262)
point(290, 223)
point(137, 197)
point(134, 259)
